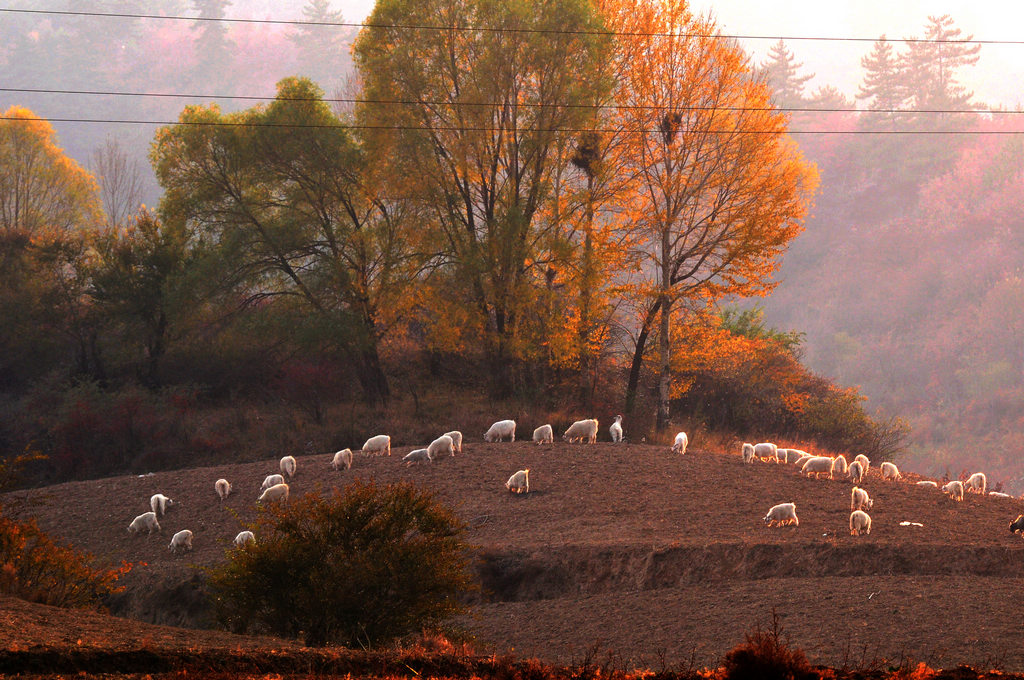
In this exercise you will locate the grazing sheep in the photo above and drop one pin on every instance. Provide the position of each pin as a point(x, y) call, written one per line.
point(976, 483)
point(180, 541)
point(244, 537)
point(272, 480)
point(860, 523)
point(501, 429)
point(804, 457)
point(417, 456)
point(582, 430)
point(748, 453)
point(288, 465)
point(840, 467)
point(680, 443)
point(544, 435)
point(379, 445)
point(342, 459)
point(817, 465)
point(147, 521)
point(856, 472)
point(1017, 525)
point(616, 430)
point(159, 504)
point(783, 513)
point(859, 499)
point(275, 493)
point(456, 440)
point(766, 451)
point(519, 482)
point(929, 483)
point(223, 488)
point(441, 445)
point(955, 489)
point(999, 494)
point(791, 455)
point(890, 471)
point(864, 462)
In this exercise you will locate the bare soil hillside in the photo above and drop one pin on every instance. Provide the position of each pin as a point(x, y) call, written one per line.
point(649, 553)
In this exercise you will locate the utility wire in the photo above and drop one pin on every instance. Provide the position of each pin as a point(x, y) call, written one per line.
point(552, 31)
point(412, 102)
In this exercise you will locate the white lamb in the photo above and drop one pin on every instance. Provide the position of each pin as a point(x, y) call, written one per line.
point(859, 499)
point(582, 431)
point(544, 435)
point(147, 521)
point(680, 443)
point(181, 541)
point(417, 456)
point(955, 489)
point(976, 483)
point(288, 465)
point(817, 465)
point(748, 453)
point(890, 471)
point(860, 523)
point(159, 504)
point(342, 460)
point(272, 480)
point(456, 440)
point(929, 483)
point(782, 514)
point(244, 537)
point(856, 472)
point(278, 492)
point(223, 488)
point(840, 467)
point(766, 451)
point(500, 430)
point(519, 482)
point(616, 430)
point(864, 462)
point(443, 445)
point(379, 445)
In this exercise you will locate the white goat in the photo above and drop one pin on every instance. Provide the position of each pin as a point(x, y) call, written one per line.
point(275, 493)
point(680, 443)
point(288, 465)
point(955, 489)
point(544, 435)
point(856, 472)
point(181, 541)
point(244, 537)
point(860, 523)
point(379, 445)
point(582, 431)
point(272, 480)
point(159, 504)
point(748, 453)
point(890, 471)
point(443, 445)
point(859, 499)
point(498, 431)
point(766, 451)
point(782, 514)
point(223, 488)
point(616, 430)
point(456, 440)
point(840, 467)
point(864, 462)
point(342, 460)
point(817, 465)
point(519, 482)
point(147, 521)
point(976, 483)
point(417, 456)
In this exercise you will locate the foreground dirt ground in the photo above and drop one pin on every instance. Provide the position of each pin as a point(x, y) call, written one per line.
point(661, 558)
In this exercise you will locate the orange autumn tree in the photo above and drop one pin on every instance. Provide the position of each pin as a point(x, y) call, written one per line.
point(718, 189)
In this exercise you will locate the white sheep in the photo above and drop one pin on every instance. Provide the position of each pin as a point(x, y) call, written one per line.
point(680, 443)
point(859, 499)
point(748, 453)
point(379, 445)
point(790, 455)
point(864, 462)
point(147, 521)
point(840, 467)
point(180, 541)
point(817, 465)
point(856, 472)
point(288, 465)
point(342, 460)
point(803, 458)
point(519, 482)
point(456, 440)
point(766, 451)
point(616, 430)
point(443, 445)
point(976, 483)
point(544, 435)
point(890, 471)
point(860, 523)
point(783, 513)
point(159, 504)
point(275, 493)
point(244, 537)
point(929, 483)
point(582, 431)
point(499, 430)
point(955, 489)
point(417, 456)
point(272, 480)
point(223, 488)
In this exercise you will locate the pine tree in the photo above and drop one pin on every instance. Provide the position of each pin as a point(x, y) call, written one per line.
point(323, 49)
point(882, 86)
point(213, 47)
point(781, 73)
point(929, 71)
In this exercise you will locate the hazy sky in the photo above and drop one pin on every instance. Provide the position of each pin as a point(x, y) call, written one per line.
point(998, 77)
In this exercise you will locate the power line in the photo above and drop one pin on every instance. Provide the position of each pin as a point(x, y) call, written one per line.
point(230, 124)
point(412, 102)
point(483, 29)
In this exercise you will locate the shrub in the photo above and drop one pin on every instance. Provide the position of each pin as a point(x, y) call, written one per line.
point(356, 568)
point(767, 656)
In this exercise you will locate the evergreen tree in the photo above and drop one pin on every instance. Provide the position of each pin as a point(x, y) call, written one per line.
point(882, 86)
point(323, 49)
point(781, 72)
point(213, 48)
point(929, 71)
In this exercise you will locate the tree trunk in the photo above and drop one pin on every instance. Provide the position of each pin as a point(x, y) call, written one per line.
point(638, 357)
point(371, 376)
point(664, 344)
point(586, 385)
